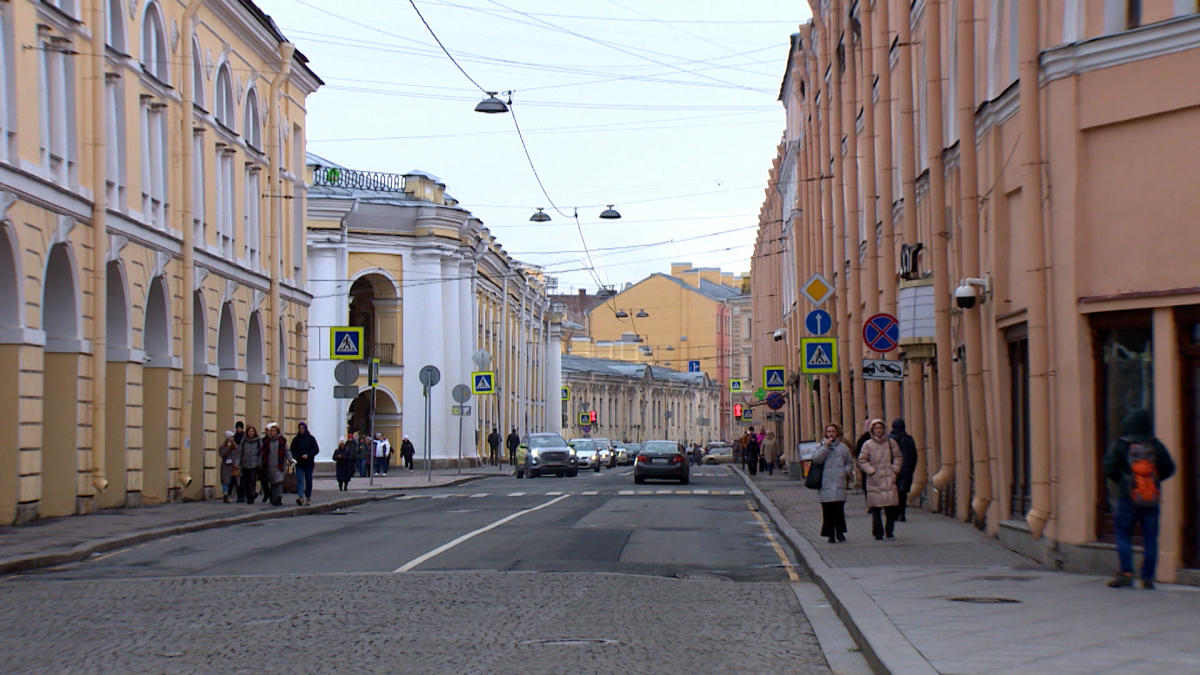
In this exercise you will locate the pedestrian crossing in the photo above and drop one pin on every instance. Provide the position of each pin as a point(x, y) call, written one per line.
point(581, 493)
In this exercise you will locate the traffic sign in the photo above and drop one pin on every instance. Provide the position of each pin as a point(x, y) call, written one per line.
point(565, 393)
point(373, 374)
point(693, 366)
point(747, 413)
point(817, 289)
point(461, 393)
point(346, 373)
point(775, 417)
point(880, 369)
point(881, 333)
point(820, 355)
point(483, 383)
point(430, 376)
point(775, 400)
point(460, 410)
point(818, 322)
point(584, 419)
point(774, 378)
point(346, 342)
point(735, 386)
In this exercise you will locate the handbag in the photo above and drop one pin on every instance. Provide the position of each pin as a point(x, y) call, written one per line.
point(289, 479)
point(815, 476)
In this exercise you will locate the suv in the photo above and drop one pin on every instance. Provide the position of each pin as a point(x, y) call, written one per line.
point(608, 453)
point(545, 453)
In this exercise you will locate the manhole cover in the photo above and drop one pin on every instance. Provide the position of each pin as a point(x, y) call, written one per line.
point(1001, 577)
point(985, 601)
point(571, 642)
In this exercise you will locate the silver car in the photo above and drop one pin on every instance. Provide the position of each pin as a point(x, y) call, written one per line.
point(608, 453)
point(586, 453)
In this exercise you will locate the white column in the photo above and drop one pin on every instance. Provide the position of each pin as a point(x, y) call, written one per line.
point(330, 307)
point(423, 345)
point(552, 371)
point(468, 328)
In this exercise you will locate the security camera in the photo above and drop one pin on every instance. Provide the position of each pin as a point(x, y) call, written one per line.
point(965, 296)
point(779, 334)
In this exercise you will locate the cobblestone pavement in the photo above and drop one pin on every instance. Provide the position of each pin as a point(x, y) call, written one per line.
point(462, 623)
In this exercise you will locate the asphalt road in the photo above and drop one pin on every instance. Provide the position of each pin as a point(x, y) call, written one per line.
point(554, 575)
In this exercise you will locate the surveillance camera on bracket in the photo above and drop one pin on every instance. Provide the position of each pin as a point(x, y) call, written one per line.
point(967, 294)
point(779, 334)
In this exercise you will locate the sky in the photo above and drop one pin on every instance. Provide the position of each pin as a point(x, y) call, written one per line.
point(664, 108)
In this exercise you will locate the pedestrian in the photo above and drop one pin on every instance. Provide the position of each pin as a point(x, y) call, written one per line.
point(274, 463)
point(908, 448)
point(737, 451)
point(239, 433)
point(362, 452)
point(513, 440)
point(406, 452)
point(343, 457)
point(248, 461)
point(770, 452)
point(304, 453)
point(382, 449)
point(1136, 464)
point(834, 455)
point(858, 446)
point(881, 461)
point(228, 476)
point(493, 440)
point(751, 452)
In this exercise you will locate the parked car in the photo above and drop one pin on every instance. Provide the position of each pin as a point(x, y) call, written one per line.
point(722, 454)
point(608, 453)
point(586, 454)
point(662, 459)
point(545, 453)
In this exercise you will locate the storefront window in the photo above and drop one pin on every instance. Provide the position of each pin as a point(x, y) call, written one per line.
point(1125, 382)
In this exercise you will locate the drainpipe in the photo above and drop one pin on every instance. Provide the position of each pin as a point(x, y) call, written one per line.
point(834, 115)
point(1035, 252)
point(908, 182)
point(274, 213)
point(883, 149)
point(99, 250)
point(870, 190)
point(823, 170)
point(188, 213)
point(502, 353)
point(941, 264)
point(850, 105)
point(973, 320)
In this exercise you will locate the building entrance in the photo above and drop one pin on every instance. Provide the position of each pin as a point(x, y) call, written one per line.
point(1189, 455)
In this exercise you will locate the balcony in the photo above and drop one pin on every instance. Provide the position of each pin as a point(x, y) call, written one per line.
point(380, 350)
point(349, 179)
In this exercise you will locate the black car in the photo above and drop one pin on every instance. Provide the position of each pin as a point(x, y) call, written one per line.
point(662, 459)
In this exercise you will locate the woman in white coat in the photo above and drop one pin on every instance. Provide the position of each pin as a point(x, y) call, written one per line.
point(834, 455)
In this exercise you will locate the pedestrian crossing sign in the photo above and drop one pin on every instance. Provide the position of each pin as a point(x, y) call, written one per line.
point(346, 343)
point(774, 378)
point(585, 419)
point(820, 355)
point(483, 383)
point(735, 386)
point(566, 393)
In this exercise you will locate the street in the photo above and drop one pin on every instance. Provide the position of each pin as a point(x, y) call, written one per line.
point(570, 575)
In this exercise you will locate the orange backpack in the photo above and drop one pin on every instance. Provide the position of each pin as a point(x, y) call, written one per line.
point(1143, 466)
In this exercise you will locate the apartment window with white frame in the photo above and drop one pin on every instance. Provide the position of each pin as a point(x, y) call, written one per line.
point(57, 109)
point(252, 130)
point(115, 149)
point(155, 50)
point(298, 193)
point(114, 25)
point(223, 109)
point(200, 231)
point(250, 229)
point(154, 161)
point(225, 200)
point(7, 128)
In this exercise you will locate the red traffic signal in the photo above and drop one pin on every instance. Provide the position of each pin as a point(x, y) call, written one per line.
point(592, 416)
point(737, 410)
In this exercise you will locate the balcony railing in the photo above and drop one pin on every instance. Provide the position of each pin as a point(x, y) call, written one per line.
point(336, 177)
point(382, 351)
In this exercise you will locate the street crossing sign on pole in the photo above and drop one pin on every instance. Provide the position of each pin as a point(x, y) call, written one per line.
point(346, 342)
point(483, 383)
point(774, 378)
point(735, 386)
point(565, 393)
point(820, 355)
point(585, 419)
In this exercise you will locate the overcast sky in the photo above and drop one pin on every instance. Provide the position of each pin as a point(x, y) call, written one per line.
point(667, 109)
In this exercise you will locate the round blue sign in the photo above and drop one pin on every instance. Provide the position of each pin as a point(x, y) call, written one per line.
point(881, 333)
point(818, 322)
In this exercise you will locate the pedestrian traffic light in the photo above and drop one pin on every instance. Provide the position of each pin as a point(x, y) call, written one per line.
point(592, 416)
point(737, 410)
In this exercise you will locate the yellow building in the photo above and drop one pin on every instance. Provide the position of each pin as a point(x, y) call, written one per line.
point(678, 320)
point(151, 279)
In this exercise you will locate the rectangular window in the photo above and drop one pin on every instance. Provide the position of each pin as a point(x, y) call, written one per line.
point(1014, 35)
point(299, 235)
point(225, 200)
point(7, 129)
point(115, 148)
point(199, 199)
point(250, 229)
point(154, 162)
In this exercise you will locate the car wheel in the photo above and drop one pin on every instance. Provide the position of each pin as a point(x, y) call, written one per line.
point(596, 468)
point(533, 473)
point(684, 481)
point(639, 480)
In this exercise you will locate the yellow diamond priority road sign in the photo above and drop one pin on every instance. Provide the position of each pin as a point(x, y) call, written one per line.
point(817, 289)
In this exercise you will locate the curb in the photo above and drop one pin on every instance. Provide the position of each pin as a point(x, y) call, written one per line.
point(457, 481)
point(885, 648)
point(84, 551)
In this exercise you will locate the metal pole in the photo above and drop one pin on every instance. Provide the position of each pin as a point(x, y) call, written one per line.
point(460, 442)
point(428, 433)
point(371, 425)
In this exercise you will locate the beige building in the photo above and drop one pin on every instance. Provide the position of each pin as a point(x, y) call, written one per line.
point(1018, 191)
point(637, 402)
point(151, 260)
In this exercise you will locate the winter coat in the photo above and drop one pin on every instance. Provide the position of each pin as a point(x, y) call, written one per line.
point(406, 449)
point(881, 464)
point(770, 450)
point(751, 449)
point(249, 454)
point(838, 471)
point(361, 448)
point(227, 452)
point(383, 448)
point(344, 458)
point(1136, 427)
point(274, 458)
point(513, 441)
point(494, 440)
point(908, 449)
point(304, 444)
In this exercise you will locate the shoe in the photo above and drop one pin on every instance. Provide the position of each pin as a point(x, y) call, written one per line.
point(890, 535)
point(832, 540)
point(903, 519)
point(225, 499)
point(1121, 580)
point(841, 536)
point(308, 501)
point(300, 501)
point(1148, 584)
point(879, 537)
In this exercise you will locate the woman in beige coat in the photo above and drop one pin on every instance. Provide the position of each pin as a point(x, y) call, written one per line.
point(770, 452)
point(880, 461)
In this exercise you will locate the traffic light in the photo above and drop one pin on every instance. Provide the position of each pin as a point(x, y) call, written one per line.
point(737, 410)
point(592, 416)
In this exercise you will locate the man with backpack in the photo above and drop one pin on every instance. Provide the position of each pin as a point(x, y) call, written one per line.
point(1136, 464)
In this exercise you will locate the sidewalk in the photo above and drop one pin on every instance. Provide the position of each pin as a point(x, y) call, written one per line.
point(943, 598)
point(56, 541)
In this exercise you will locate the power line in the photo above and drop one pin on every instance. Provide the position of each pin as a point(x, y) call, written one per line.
point(439, 42)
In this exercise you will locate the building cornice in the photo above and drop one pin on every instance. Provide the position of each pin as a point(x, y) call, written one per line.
point(997, 111)
point(1158, 39)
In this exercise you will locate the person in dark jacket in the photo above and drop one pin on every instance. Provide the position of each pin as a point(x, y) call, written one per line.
point(239, 432)
point(275, 459)
point(908, 448)
point(407, 451)
point(248, 461)
point(751, 452)
point(362, 447)
point(343, 457)
point(494, 447)
point(228, 480)
point(1138, 431)
point(513, 441)
point(304, 453)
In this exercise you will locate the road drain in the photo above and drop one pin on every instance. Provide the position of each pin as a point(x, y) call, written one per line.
point(985, 601)
point(571, 642)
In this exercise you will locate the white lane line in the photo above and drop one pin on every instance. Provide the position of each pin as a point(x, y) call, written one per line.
point(553, 494)
point(479, 495)
point(446, 547)
point(440, 497)
point(664, 492)
point(626, 492)
point(590, 493)
point(516, 494)
point(645, 492)
point(627, 473)
point(737, 492)
point(699, 492)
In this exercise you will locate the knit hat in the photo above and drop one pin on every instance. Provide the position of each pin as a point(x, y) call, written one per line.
point(342, 439)
point(228, 435)
point(270, 425)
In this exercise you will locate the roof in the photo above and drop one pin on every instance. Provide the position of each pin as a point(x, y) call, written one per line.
point(714, 292)
point(267, 22)
point(572, 363)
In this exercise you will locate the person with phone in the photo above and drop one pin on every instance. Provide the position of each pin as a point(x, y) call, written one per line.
point(837, 470)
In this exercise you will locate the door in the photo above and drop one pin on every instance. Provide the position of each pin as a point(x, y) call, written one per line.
point(1189, 454)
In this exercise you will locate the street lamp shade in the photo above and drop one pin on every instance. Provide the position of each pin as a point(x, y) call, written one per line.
point(622, 314)
point(610, 213)
point(491, 105)
point(541, 216)
point(641, 314)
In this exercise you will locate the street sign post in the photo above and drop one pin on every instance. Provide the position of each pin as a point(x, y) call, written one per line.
point(883, 370)
point(774, 417)
point(346, 374)
point(817, 289)
point(429, 377)
point(774, 378)
point(735, 386)
point(346, 342)
point(565, 393)
point(461, 394)
point(881, 333)
point(820, 355)
point(373, 374)
point(818, 322)
point(483, 383)
point(693, 366)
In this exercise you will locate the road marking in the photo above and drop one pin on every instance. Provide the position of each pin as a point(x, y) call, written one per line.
point(699, 492)
point(480, 494)
point(645, 492)
point(683, 492)
point(516, 494)
point(109, 555)
point(590, 493)
point(626, 492)
point(718, 492)
point(441, 496)
point(787, 564)
point(470, 535)
point(626, 473)
point(553, 494)
point(737, 492)
point(664, 492)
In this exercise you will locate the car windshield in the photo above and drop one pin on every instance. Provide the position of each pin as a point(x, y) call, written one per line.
point(547, 441)
point(660, 446)
point(584, 446)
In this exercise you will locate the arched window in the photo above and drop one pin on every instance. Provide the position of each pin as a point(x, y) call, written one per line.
point(197, 77)
point(252, 130)
point(223, 105)
point(155, 52)
point(114, 24)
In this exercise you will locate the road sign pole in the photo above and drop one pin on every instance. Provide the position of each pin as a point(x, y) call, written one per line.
point(460, 443)
point(428, 433)
point(371, 425)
